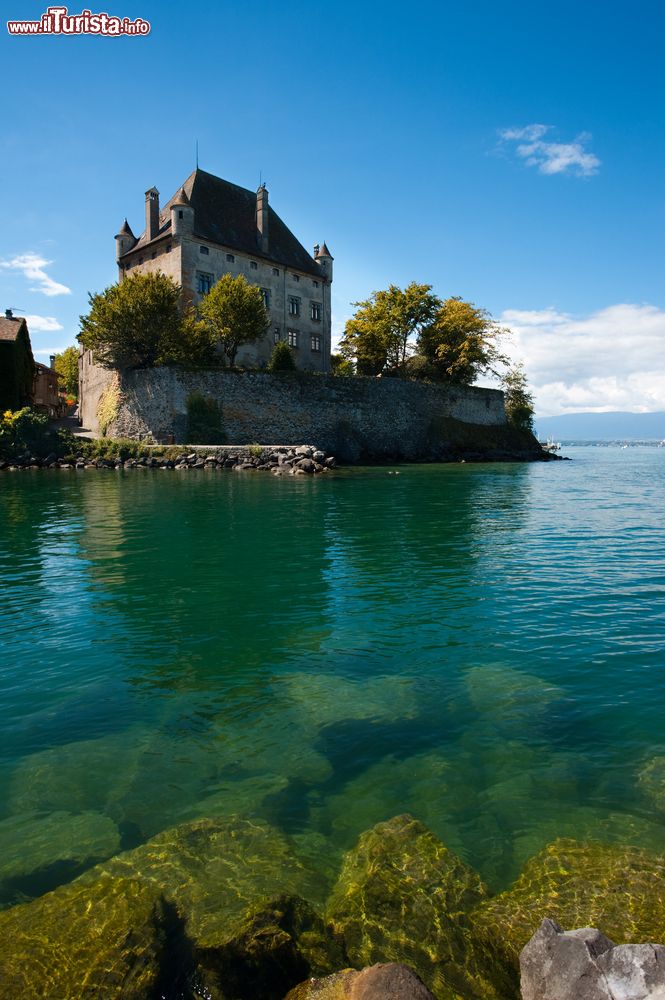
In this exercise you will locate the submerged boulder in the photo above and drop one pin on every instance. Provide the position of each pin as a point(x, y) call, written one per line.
point(237, 886)
point(39, 853)
point(102, 941)
point(620, 889)
point(402, 896)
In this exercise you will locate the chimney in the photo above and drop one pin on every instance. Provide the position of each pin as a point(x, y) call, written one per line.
point(151, 213)
point(51, 361)
point(9, 314)
point(262, 218)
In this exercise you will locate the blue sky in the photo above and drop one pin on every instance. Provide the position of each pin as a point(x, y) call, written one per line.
point(511, 153)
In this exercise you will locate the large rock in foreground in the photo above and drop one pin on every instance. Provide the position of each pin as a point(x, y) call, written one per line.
point(391, 981)
point(105, 941)
point(621, 889)
point(585, 965)
point(402, 896)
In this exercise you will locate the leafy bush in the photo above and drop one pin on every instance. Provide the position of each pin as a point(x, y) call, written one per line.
point(204, 420)
point(282, 358)
point(26, 431)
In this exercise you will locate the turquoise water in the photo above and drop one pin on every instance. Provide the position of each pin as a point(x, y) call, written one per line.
point(480, 645)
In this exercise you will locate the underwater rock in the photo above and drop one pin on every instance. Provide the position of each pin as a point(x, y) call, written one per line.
point(275, 945)
point(509, 699)
point(585, 965)
point(651, 781)
point(74, 777)
point(402, 896)
point(38, 853)
point(387, 981)
point(105, 941)
point(621, 889)
point(427, 785)
point(325, 699)
point(217, 875)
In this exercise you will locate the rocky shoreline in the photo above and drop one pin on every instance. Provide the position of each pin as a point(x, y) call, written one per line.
point(227, 909)
point(279, 459)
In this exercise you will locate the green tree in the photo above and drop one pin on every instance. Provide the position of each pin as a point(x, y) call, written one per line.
point(341, 366)
point(67, 366)
point(518, 398)
point(134, 324)
point(234, 314)
point(281, 359)
point(380, 335)
point(190, 344)
point(462, 342)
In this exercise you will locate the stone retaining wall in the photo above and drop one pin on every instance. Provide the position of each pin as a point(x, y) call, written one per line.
point(352, 418)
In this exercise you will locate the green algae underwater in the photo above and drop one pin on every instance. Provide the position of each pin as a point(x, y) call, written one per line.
point(478, 646)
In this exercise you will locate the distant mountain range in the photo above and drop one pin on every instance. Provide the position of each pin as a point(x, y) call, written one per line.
point(611, 426)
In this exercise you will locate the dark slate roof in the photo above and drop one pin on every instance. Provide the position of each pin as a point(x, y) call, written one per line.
point(9, 328)
point(225, 214)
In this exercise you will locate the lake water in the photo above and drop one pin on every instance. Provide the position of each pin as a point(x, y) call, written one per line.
point(479, 645)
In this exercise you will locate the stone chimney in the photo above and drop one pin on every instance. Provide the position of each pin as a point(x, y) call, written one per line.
point(9, 314)
point(262, 218)
point(151, 213)
point(51, 361)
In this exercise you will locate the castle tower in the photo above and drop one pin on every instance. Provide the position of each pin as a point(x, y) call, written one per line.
point(324, 259)
point(182, 215)
point(124, 240)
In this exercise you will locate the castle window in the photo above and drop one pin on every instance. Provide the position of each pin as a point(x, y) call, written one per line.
point(180, 213)
point(292, 337)
point(265, 292)
point(275, 271)
point(316, 284)
point(294, 306)
point(316, 343)
point(253, 265)
point(204, 282)
point(231, 258)
point(204, 250)
point(296, 277)
point(276, 335)
point(315, 310)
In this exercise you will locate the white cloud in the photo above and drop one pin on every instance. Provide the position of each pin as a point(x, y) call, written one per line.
point(33, 267)
point(551, 157)
point(613, 359)
point(39, 324)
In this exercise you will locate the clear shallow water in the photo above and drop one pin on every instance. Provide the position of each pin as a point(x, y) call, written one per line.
point(481, 646)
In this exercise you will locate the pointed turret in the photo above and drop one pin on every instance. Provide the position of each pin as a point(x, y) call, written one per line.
point(324, 259)
point(182, 214)
point(124, 240)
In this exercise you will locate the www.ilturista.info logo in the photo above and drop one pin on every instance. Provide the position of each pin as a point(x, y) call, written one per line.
point(58, 21)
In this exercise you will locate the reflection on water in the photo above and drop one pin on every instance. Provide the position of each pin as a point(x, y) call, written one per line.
point(478, 645)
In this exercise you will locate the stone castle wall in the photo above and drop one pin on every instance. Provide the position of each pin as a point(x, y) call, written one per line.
point(352, 418)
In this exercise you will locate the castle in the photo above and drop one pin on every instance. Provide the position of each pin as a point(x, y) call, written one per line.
point(211, 227)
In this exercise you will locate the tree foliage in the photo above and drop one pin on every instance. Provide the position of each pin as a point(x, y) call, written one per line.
point(462, 342)
point(379, 336)
point(233, 313)
point(518, 398)
point(282, 359)
point(66, 365)
point(134, 324)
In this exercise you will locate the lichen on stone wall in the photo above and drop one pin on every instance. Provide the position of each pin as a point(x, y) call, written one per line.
point(108, 406)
